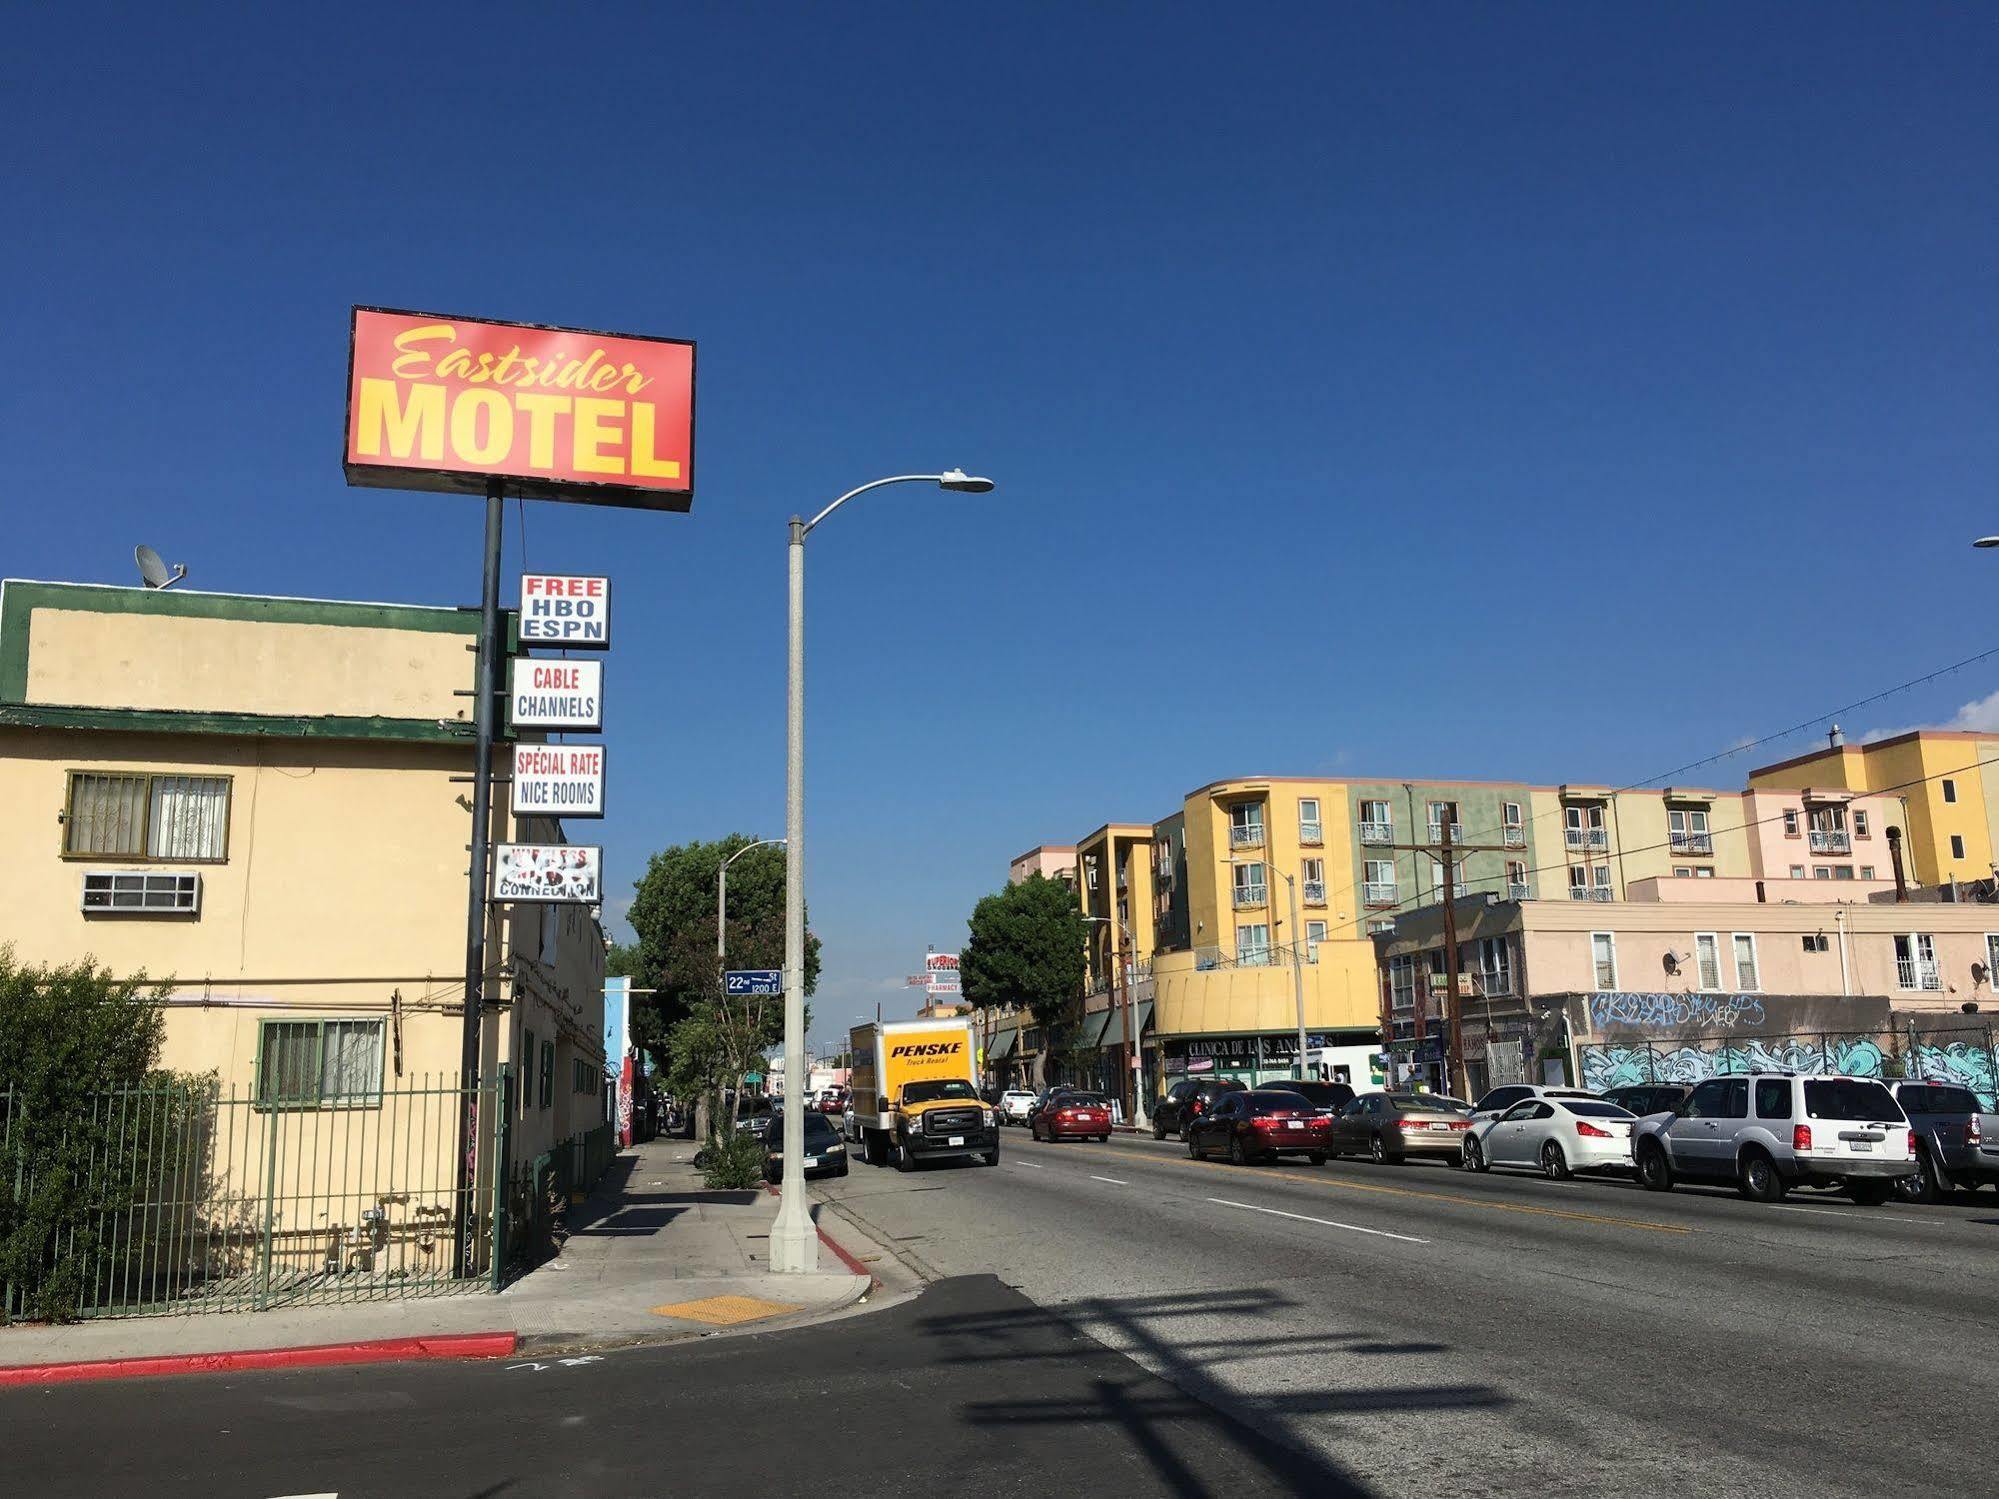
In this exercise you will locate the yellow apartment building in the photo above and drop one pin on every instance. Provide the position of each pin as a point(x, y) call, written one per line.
point(1947, 783)
point(265, 803)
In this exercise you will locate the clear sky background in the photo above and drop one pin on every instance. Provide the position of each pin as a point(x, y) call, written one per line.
point(1421, 390)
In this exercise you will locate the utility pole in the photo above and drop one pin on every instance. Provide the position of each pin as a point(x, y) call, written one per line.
point(1444, 849)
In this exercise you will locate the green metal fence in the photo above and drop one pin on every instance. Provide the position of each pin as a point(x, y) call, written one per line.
point(173, 1198)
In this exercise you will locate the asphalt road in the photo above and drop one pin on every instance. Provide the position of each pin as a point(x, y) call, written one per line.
point(1425, 1331)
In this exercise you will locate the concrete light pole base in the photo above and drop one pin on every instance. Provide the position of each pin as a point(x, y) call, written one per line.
point(794, 1242)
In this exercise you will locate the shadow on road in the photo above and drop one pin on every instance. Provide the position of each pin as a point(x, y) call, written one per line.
point(1148, 1413)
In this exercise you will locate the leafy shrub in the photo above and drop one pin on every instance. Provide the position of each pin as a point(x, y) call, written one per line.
point(733, 1161)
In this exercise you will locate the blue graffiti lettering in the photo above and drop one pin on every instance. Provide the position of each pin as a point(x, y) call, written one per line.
point(1680, 1011)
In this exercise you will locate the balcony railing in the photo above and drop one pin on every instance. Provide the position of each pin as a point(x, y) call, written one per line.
point(1377, 832)
point(1457, 832)
point(1246, 835)
point(1311, 833)
point(1315, 892)
point(1513, 837)
point(1918, 973)
point(1589, 838)
point(1832, 841)
point(1378, 895)
point(1516, 891)
point(1249, 895)
point(1692, 843)
point(1278, 956)
point(1588, 892)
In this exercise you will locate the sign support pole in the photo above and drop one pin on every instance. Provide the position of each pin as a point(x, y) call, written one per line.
point(484, 702)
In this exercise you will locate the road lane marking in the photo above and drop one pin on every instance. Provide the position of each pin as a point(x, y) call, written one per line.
point(1379, 1233)
point(1786, 1207)
point(1111, 1179)
point(1030, 1165)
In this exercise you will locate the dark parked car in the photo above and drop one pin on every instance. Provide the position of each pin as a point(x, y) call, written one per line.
point(1260, 1126)
point(1327, 1098)
point(1186, 1101)
point(1649, 1098)
point(825, 1155)
point(1073, 1116)
point(1394, 1126)
point(753, 1114)
point(1957, 1140)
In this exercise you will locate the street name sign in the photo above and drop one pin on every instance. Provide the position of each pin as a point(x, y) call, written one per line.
point(561, 609)
point(555, 694)
point(754, 983)
point(558, 780)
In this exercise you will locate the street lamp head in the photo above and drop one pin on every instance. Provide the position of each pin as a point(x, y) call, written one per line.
point(957, 479)
point(1987, 541)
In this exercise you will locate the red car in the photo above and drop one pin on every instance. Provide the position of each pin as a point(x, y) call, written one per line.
point(833, 1101)
point(1073, 1116)
point(1260, 1126)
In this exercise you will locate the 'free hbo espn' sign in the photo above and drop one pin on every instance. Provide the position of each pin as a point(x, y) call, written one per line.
point(558, 609)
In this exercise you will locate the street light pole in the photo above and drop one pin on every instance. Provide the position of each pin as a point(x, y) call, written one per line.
point(1120, 991)
point(1297, 961)
point(794, 1243)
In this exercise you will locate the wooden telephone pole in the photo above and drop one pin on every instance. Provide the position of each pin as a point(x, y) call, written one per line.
point(1454, 1046)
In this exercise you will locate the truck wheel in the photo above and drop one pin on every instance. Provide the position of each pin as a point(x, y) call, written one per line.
point(1655, 1172)
point(1757, 1178)
point(991, 1157)
point(1158, 1130)
point(903, 1160)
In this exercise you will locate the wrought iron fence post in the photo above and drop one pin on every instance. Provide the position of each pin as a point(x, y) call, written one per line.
point(271, 1117)
point(503, 1143)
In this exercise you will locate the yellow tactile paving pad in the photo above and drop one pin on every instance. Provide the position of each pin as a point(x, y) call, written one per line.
point(723, 1311)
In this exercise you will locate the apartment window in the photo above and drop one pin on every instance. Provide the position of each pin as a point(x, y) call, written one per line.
point(1683, 872)
point(1916, 962)
point(1745, 962)
point(1843, 872)
point(1603, 952)
point(1828, 819)
point(1246, 825)
point(1817, 942)
point(1312, 876)
point(1493, 962)
point(319, 1064)
point(1584, 827)
point(1821, 872)
point(1687, 831)
point(1867, 871)
point(1957, 845)
point(1377, 822)
point(1315, 933)
point(1381, 928)
point(1444, 814)
point(1402, 981)
point(1310, 829)
point(527, 1070)
point(1378, 880)
point(1790, 822)
point(547, 1074)
point(173, 819)
point(1991, 956)
point(1797, 871)
point(1860, 825)
point(1457, 877)
point(1249, 884)
point(1703, 871)
point(1090, 871)
point(1949, 789)
point(1579, 882)
point(1707, 960)
point(1601, 874)
point(1516, 879)
point(1162, 858)
point(1252, 945)
point(1510, 816)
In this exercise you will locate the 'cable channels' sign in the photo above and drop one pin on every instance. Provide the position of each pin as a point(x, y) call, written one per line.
point(559, 872)
point(557, 609)
point(558, 780)
point(555, 694)
point(452, 404)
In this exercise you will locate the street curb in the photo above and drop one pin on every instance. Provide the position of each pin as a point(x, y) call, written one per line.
point(373, 1351)
point(853, 1265)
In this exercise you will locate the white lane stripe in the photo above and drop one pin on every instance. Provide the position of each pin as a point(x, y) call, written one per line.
point(1030, 1165)
point(1111, 1179)
point(1785, 1207)
point(1379, 1233)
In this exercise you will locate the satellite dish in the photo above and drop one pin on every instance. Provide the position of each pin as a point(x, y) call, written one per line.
point(153, 572)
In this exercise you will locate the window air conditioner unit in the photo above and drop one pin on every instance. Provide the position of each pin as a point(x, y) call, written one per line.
point(124, 892)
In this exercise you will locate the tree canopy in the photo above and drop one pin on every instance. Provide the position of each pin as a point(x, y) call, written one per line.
point(1027, 948)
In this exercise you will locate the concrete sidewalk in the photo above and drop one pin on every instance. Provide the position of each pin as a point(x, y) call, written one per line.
point(652, 1256)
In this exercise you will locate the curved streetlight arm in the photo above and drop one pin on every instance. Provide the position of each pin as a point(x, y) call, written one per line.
point(722, 892)
point(874, 484)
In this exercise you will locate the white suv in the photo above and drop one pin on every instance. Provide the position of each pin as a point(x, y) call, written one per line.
point(1770, 1131)
point(1014, 1104)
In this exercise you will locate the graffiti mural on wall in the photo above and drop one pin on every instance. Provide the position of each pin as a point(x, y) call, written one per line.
point(1691, 1061)
point(1967, 1064)
point(1681, 1012)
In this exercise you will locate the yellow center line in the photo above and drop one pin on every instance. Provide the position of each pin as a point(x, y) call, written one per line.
point(1351, 1186)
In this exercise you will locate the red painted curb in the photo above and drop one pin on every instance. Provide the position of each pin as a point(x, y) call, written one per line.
point(376, 1351)
point(842, 1256)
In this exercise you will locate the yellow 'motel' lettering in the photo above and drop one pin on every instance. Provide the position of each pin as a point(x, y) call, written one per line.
point(410, 419)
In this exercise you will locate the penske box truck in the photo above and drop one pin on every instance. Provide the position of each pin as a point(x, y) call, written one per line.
point(916, 1095)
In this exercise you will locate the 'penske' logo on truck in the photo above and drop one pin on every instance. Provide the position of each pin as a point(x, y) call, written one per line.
point(928, 1049)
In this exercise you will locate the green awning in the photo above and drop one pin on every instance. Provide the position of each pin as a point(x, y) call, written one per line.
point(1002, 1046)
point(1091, 1036)
point(1141, 1017)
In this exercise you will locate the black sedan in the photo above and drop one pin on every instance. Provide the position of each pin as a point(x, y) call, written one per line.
point(825, 1155)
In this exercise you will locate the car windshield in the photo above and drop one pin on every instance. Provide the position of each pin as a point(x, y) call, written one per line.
point(1849, 1098)
point(1594, 1108)
point(1935, 1098)
point(950, 1087)
point(1084, 1101)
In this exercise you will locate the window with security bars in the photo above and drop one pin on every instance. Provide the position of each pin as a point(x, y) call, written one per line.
point(169, 818)
point(136, 893)
point(319, 1064)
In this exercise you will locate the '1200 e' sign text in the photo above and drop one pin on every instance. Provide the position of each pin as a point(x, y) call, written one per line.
point(555, 413)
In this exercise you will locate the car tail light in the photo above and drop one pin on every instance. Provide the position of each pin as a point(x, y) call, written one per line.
point(1200, 1104)
point(1801, 1137)
point(1912, 1145)
point(1591, 1131)
point(1973, 1135)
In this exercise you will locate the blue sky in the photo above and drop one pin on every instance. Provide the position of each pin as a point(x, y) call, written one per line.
point(1537, 392)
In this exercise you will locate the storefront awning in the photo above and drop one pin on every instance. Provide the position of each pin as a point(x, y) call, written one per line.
point(1141, 1017)
point(1002, 1046)
point(1091, 1036)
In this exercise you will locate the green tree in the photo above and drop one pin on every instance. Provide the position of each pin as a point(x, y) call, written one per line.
point(1026, 948)
point(707, 1044)
point(71, 1034)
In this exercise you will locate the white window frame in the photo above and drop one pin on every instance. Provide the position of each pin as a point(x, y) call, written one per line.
point(1511, 815)
point(1315, 933)
point(1755, 962)
point(1867, 871)
point(1797, 871)
point(1386, 809)
point(1860, 823)
point(1311, 829)
point(1260, 946)
point(1790, 822)
point(1609, 940)
point(1600, 875)
point(1243, 884)
point(1712, 942)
